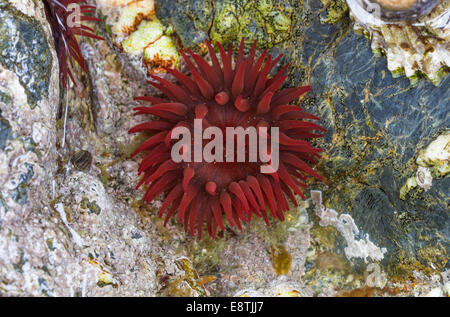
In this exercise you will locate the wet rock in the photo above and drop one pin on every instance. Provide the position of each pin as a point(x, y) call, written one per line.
point(191, 19)
point(377, 126)
point(21, 36)
point(270, 22)
point(380, 125)
point(85, 232)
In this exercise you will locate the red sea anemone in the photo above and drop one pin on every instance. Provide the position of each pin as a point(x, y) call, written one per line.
point(226, 94)
point(65, 17)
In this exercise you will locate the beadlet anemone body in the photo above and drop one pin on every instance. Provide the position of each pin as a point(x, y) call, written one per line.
point(225, 93)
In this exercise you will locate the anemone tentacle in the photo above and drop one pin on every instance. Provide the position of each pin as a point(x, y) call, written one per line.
point(230, 93)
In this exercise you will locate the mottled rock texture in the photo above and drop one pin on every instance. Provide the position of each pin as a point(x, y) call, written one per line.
point(25, 51)
point(377, 126)
point(67, 230)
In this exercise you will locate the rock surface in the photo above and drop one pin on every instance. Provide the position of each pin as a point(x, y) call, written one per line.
point(82, 230)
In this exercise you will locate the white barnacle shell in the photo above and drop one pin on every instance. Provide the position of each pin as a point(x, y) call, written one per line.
point(424, 178)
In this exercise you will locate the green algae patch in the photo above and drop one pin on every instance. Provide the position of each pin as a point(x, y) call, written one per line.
point(437, 77)
point(206, 254)
point(5, 97)
point(336, 11)
point(409, 184)
point(268, 21)
point(91, 206)
point(281, 260)
point(404, 265)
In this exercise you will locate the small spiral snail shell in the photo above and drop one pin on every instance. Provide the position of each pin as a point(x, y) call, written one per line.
point(82, 160)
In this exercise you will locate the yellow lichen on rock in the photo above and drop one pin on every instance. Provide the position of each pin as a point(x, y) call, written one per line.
point(136, 29)
point(132, 14)
point(162, 53)
point(146, 34)
point(418, 48)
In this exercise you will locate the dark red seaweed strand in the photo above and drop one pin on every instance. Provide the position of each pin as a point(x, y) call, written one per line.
point(64, 36)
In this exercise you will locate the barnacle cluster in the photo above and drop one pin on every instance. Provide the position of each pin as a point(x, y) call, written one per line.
point(413, 34)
